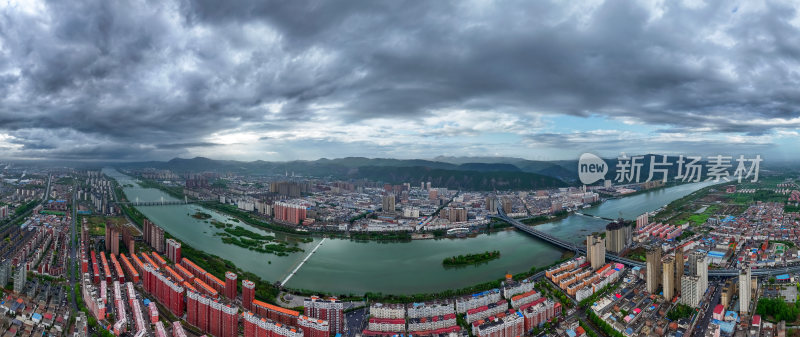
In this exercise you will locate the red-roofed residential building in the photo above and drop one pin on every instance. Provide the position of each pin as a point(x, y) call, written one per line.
point(174, 251)
point(160, 260)
point(397, 325)
point(260, 327)
point(248, 294)
point(230, 285)
point(511, 324)
point(331, 310)
point(313, 327)
point(187, 275)
point(525, 298)
point(211, 316)
point(718, 313)
point(275, 313)
point(205, 288)
point(486, 311)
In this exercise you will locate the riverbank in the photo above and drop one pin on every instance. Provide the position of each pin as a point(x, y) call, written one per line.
point(666, 185)
point(213, 264)
point(250, 219)
point(268, 291)
point(681, 210)
point(175, 192)
point(402, 236)
point(345, 267)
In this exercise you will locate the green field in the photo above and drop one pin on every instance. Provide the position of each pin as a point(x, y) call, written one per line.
point(695, 219)
point(97, 224)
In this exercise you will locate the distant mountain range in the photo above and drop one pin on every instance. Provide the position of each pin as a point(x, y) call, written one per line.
point(472, 176)
point(474, 173)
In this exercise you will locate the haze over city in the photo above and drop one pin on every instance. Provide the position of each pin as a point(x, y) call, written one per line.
point(253, 80)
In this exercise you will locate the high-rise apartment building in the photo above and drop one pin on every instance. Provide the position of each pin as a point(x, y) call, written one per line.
point(331, 310)
point(255, 326)
point(388, 203)
point(112, 238)
point(668, 277)
point(596, 251)
point(5, 272)
point(698, 266)
point(728, 291)
point(211, 316)
point(654, 277)
point(128, 240)
point(678, 270)
point(313, 327)
point(230, 285)
point(690, 291)
point(248, 294)
point(20, 277)
point(292, 212)
point(289, 189)
point(166, 290)
point(153, 235)
point(455, 214)
point(507, 205)
point(642, 220)
point(745, 275)
point(174, 251)
point(618, 236)
point(491, 204)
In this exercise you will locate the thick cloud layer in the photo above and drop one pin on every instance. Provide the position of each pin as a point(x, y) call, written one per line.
point(153, 79)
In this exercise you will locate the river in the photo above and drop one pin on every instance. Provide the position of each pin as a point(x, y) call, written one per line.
point(342, 266)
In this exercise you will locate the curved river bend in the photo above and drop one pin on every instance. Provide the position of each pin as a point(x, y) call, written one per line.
point(343, 266)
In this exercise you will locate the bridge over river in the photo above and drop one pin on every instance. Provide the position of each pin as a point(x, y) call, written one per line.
point(162, 202)
point(580, 249)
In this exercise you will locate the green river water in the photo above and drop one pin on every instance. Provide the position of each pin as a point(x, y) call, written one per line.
point(344, 266)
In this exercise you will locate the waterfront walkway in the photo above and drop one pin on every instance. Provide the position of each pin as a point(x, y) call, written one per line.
point(302, 262)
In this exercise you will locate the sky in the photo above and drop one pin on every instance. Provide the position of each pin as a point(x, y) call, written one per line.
point(283, 80)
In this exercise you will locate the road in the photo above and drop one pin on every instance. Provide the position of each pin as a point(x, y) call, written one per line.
point(355, 321)
point(581, 313)
point(72, 251)
point(707, 311)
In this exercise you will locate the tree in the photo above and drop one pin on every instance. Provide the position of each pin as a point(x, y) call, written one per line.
point(680, 311)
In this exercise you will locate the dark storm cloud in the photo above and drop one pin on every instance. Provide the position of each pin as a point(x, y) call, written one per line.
point(612, 144)
point(186, 145)
point(143, 79)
